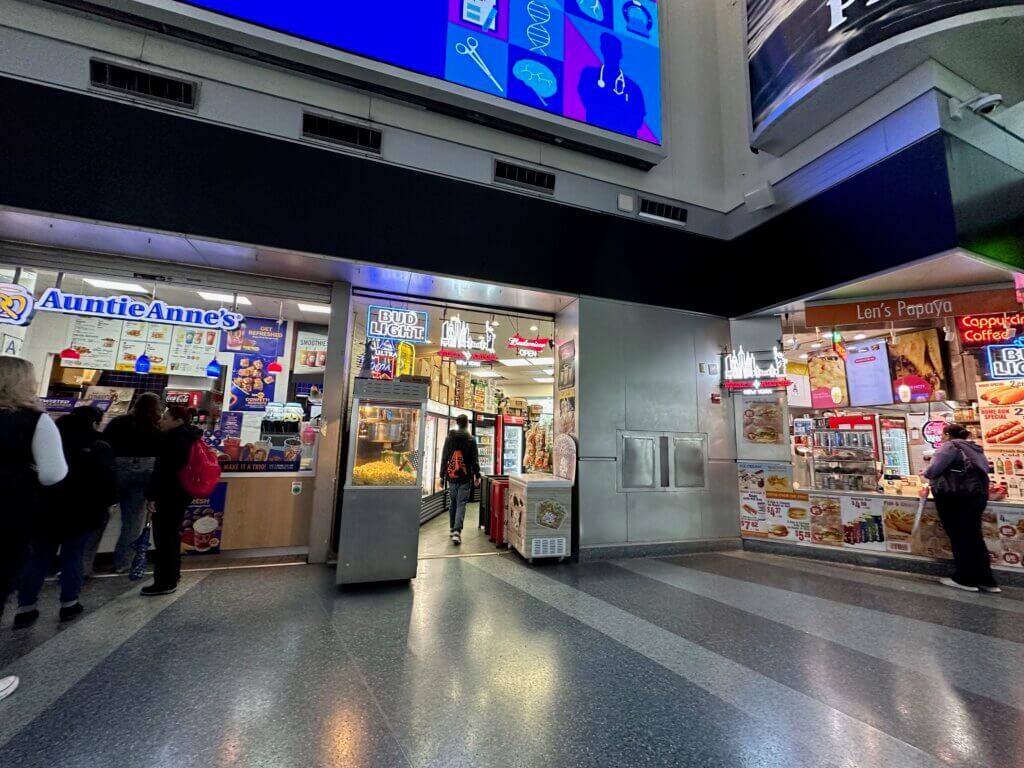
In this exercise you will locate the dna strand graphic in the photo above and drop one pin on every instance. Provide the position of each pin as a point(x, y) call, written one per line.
point(537, 33)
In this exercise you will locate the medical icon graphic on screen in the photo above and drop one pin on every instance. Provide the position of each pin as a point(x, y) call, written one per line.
point(592, 8)
point(481, 13)
point(639, 20)
point(612, 100)
point(470, 48)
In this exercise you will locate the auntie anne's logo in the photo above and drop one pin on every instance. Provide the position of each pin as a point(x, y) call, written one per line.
point(15, 304)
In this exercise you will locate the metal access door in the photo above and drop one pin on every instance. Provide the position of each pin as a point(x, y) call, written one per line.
point(662, 461)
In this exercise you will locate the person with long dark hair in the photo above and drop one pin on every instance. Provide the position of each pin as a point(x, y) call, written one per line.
point(168, 499)
point(958, 474)
point(133, 438)
point(30, 457)
point(75, 508)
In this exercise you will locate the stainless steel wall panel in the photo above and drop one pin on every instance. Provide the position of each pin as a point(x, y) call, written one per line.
point(720, 516)
point(715, 419)
point(688, 462)
point(602, 377)
point(637, 462)
point(661, 381)
point(665, 516)
point(602, 507)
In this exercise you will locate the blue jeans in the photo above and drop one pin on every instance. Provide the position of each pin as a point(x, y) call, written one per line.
point(72, 575)
point(460, 495)
point(132, 477)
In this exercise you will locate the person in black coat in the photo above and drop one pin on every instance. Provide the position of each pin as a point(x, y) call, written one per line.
point(74, 509)
point(460, 468)
point(168, 500)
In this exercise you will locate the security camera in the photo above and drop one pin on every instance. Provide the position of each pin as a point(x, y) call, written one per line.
point(982, 104)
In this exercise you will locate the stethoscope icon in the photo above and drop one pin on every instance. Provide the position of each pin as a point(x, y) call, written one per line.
point(618, 88)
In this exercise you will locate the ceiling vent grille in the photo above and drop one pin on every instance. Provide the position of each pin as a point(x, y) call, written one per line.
point(523, 177)
point(658, 211)
point(140, 84)
point(341, 133)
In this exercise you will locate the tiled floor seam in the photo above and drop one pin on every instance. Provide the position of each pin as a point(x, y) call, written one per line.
point(744, 689)
point(54, 667)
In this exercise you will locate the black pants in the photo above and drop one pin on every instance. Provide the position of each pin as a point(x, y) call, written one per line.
point(962, 520)
point(167, 540)
point(14, 550)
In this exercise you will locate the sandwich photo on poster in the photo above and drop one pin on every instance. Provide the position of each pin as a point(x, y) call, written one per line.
point(1001, 412)
point(919, 375)
point(827, 374)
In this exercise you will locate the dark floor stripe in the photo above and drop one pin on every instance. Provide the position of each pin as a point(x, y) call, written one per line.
point(953, 614)
point(909, 706)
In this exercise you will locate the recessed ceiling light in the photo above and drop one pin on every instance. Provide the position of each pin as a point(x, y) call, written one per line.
point(545, 380)
point(227, 297)
point(541, 361)
point(549, 371)
point(534, 328)
point(816, 345)
point(860, 337)
point(320, 309)
point(484, 375)
point(115, 285)
point(515, 362)
point(803, 356)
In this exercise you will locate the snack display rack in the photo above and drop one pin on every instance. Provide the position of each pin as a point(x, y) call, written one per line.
point(843, 460)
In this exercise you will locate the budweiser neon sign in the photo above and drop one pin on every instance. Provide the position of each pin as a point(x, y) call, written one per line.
point(528, 347)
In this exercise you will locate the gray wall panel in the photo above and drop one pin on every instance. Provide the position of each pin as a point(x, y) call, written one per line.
point(716, 419)
point(602, 509)
point(661, 374)
point(665, 516)
point(720, 515)
point(602, 380)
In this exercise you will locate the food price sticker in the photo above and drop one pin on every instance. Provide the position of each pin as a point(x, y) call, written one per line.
point(752, 512)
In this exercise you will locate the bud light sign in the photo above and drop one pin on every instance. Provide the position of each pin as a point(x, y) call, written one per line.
point(1005, 361)
point(396, 324)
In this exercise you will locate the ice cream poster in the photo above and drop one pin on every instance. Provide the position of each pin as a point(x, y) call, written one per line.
point(203, 526)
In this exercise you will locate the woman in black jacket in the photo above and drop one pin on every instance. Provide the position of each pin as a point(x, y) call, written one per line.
point(168, 500)
point(75, 508)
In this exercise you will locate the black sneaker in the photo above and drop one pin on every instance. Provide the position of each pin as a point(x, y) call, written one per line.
point(69, 612)
point(154, 589)
point(25, 619)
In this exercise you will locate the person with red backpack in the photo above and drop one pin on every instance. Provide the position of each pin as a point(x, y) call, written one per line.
point(171, 489)
point(460, 468)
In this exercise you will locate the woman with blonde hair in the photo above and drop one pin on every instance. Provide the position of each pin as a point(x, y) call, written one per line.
point(30, 456)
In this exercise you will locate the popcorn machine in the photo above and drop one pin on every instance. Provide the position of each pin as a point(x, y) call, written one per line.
point(380, 510)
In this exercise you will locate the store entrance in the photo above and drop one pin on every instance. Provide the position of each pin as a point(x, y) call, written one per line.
point(495, 369)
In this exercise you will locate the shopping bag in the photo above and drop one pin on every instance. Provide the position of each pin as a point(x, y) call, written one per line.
point(141, 547)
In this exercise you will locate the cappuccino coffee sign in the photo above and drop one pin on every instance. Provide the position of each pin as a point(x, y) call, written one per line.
point(397, 324)
point(793, 45)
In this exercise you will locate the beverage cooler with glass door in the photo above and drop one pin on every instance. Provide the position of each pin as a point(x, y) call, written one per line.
point(509, 444)
point(380, 511)
point(435, 432)
point(483, 430)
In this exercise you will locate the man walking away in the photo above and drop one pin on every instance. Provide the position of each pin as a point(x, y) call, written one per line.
point(460, 467)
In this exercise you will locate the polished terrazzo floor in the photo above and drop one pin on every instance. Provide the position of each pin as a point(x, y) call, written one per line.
point(731, 660)
point(436, 541)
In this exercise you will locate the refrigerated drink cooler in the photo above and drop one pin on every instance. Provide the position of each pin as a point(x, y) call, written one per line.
point(380, 514)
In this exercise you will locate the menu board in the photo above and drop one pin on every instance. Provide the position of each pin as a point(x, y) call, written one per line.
point(192, 350)
point(918, 372)
point(769, 505)
point(763, 420)
point(827, 375)
point(1001, 411)
point(97, 341)
point(117, 345)
point(826, 521)
point(867, 374)
point(862, 522)
point(798, 393)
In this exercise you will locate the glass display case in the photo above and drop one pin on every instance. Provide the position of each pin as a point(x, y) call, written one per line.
point(386, 449)
point(843, 460)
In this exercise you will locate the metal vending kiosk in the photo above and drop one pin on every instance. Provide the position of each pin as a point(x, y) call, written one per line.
point(380, 517)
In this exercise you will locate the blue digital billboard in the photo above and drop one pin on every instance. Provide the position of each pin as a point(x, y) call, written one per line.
point(595, 61)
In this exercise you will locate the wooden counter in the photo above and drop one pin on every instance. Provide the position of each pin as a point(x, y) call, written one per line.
point(262, 513)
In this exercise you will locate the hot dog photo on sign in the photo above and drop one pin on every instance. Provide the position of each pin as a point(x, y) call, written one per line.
point(1001, 408)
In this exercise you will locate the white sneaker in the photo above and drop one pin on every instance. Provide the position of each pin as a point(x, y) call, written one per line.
point(456, 538)
point(991, 590)
point(948, 582)
point(8, 685)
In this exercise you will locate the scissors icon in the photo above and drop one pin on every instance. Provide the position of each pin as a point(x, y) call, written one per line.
point(469, 48)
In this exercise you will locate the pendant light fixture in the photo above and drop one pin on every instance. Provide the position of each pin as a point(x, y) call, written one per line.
point(70, 353)
point(213, 369)
point(142, 363)
point(274, 366)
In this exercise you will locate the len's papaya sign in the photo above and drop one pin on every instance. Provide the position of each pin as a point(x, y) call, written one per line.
point(912, 308)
